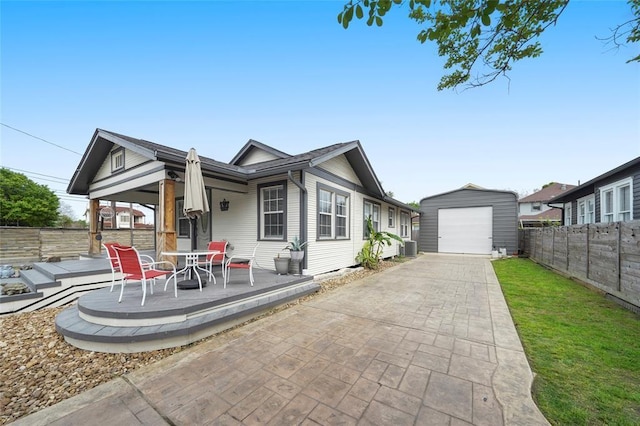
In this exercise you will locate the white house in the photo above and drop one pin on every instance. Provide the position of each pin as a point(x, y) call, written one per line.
point(322, 196)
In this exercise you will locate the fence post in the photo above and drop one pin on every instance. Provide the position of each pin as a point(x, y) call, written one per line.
point(588, 256)
point(619, 246)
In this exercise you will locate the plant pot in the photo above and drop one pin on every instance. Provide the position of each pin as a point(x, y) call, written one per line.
point(282, 265)
point(297, 256)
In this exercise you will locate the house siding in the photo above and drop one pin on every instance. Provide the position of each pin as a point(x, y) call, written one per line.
point(594, 189)
point(340, 166)
point(257, 156)
point(131, 159)
point(505, 216)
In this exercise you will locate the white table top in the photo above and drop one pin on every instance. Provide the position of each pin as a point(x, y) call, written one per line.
point(187, 252)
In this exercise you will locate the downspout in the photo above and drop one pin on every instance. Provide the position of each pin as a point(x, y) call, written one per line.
point(303, 213)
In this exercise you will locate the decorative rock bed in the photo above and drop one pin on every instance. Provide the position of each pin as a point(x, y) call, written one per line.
point(9, 289)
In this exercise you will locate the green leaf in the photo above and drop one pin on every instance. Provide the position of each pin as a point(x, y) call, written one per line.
point(486, 20)
point(340, 18)
point(378, 21)
point(359, 13)
point(370, 21)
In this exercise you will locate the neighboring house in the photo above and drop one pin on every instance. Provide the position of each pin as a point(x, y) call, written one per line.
point(611, 197)
point(469, 220)
point(123, 217)
point(269, 197)
point(534, 210)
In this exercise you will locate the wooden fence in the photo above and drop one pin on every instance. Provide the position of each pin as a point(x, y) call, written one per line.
point(23, 246)
point(605, 255)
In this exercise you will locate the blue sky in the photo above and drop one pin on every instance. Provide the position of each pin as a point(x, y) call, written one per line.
point(212, 75)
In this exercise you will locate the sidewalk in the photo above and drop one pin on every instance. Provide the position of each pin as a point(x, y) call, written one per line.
point(430, 341)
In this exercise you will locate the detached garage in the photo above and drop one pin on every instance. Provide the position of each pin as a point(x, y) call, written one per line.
point(469, 220)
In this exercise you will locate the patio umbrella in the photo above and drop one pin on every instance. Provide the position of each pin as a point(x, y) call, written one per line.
point(195, 195)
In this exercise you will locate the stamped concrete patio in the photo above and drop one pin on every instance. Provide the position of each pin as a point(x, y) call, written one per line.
point(430, 341)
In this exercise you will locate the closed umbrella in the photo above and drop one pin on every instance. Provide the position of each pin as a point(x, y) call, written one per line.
point(195, 195)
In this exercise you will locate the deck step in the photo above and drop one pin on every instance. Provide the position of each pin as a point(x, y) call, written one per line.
point(195, 326)
point(37, 279)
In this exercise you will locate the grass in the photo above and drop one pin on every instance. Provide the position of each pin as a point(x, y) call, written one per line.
point(583, 348)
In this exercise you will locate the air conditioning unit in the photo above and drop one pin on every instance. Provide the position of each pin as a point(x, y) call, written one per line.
point(410, 248)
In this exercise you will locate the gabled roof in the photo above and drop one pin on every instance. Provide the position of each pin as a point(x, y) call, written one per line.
point(471, 187)
point(252, 145)
point(587, 187)
point(548, 193)
point(103, 141)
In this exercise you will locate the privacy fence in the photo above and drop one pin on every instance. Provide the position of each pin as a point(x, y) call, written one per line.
point(605, 255)
point(20, 246)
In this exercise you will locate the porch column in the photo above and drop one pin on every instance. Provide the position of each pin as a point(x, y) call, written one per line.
point(94, 227)
point(166, 230)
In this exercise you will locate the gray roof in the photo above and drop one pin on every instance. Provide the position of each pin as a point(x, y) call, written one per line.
point(588, 187)
point(103, 141)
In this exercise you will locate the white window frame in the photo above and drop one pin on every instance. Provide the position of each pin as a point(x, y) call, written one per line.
point(615, 212)
point(536, 206)
point(334, 213)
point(587, 210)
point(117, 159)
point(372, 209)
point(392, 217)
point(567, 214)
point(264, 189)
point(405, 224)
point(183, 224)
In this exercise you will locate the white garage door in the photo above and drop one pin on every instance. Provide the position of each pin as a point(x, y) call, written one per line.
point(465, 230)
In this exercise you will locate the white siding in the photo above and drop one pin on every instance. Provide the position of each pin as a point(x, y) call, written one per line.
point(329, 255)
point(131, 159)
point(340, 166)
point(239, 225)
point(257, 156)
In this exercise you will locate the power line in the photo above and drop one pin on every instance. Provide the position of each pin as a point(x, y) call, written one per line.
point(43, 140)
point(39, 174)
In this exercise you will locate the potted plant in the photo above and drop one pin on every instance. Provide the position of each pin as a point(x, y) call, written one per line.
point(296, 248)
point(282, 264)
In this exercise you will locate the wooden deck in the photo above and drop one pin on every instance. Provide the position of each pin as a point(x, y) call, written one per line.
point(99, 323)
point(96, 321)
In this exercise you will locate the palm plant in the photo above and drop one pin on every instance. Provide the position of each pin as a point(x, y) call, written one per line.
point(371, 252)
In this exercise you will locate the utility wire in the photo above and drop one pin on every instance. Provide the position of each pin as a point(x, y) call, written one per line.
point(43, 140)
point(39, 174)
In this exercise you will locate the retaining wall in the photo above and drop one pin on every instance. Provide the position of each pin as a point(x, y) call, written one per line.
point(23, 246)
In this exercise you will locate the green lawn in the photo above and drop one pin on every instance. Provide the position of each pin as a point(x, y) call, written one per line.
point(583, 349)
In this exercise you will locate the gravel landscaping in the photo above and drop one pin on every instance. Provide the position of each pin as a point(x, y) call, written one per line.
point(40, 369)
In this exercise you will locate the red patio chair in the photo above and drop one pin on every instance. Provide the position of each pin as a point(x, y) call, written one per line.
point(132, 268)
point(240, 262)
point(115, 264)
point(215, 259)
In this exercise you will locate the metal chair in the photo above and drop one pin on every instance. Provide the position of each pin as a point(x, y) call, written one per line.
point(215, 259)
point(115, 263)
point(240, 262)
point(132, 268)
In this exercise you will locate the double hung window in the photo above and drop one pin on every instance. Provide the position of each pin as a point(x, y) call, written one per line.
point(184, 225)
point(405, 223)
point(272, 210)
point(567, 214)
point(333, 213)
point(371, 210)
point(586, 210)
point(616, 203)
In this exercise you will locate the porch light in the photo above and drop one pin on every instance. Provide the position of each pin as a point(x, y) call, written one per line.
point(224, 205)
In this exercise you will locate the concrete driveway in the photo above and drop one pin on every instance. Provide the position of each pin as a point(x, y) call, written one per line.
point(430, 341)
